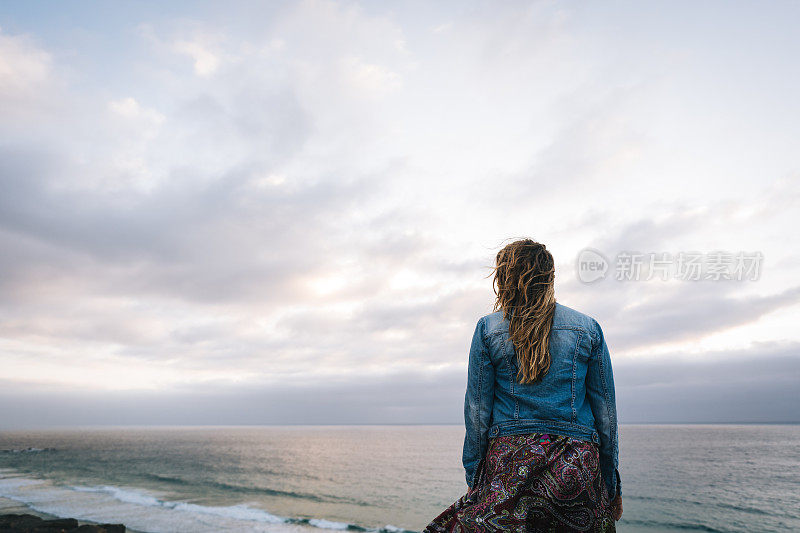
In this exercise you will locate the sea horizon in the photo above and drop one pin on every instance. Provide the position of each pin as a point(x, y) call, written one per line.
point(356, 424)
point(376, 477)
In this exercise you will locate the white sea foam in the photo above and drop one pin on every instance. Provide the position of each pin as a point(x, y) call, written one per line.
point(13, 482)
point(144, 510)
point(137, 497)
point(140, 509)
point(327, 524)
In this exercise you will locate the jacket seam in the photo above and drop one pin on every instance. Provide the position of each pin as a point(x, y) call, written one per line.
point(595, 339)
point(611, 418)
point(525, 421)
point(501, 331)
point(574, 375)
point(479, 411)
point(496, 333)
point(525, 424)
point(566, 326)
point(511, 382)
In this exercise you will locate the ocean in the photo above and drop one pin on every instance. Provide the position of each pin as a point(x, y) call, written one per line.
point(713, 478)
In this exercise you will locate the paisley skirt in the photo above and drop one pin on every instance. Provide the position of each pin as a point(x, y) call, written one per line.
point(533, 483)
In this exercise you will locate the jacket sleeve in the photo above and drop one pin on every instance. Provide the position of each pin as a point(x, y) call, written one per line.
point(602, 399)
point(478, 403)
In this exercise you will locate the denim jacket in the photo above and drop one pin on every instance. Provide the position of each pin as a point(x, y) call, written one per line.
point(574, 398)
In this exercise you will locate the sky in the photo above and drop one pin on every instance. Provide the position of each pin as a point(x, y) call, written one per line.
point(287, 212)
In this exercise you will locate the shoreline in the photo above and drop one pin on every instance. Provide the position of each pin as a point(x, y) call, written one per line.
point(9, 507)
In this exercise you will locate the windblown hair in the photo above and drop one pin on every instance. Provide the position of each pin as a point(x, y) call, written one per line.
point(523, 283)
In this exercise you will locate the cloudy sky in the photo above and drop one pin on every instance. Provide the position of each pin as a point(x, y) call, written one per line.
point(285, 212)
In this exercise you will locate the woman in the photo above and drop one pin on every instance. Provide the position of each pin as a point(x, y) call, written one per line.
point(540, 451)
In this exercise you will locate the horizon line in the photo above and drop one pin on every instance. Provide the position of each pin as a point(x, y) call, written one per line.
point(363, 424)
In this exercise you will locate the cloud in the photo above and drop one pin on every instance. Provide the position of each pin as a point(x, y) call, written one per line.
point(206, 62)
point(322, 193)
point(748, 385)
point(692, 311)
point(130, 109)
point(641, 315)
point(370, 78)
point(204, 46)
point(672, 312)
point(24, 67)
point(755, 385)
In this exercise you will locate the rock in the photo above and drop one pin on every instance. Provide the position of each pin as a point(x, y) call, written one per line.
point(58, 524)
point(102, 528)
point(28, 523)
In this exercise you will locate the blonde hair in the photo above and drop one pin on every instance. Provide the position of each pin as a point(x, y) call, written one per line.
point(523, 283)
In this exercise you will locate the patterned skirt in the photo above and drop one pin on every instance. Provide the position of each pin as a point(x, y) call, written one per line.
point(533, 483)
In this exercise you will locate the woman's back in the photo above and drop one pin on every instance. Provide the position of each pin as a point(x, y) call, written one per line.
point(575, 397)
point(540, 449)
point(560, 396)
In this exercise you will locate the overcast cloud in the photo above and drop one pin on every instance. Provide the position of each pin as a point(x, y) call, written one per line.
point(286, 213)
